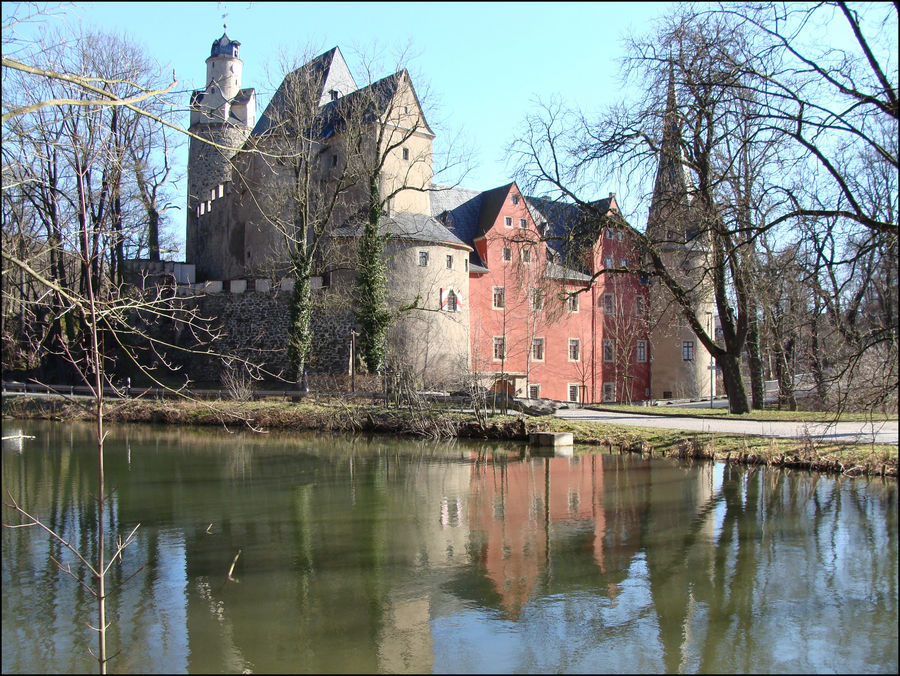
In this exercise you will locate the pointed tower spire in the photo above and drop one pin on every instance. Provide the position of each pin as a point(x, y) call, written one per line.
point(671, 188)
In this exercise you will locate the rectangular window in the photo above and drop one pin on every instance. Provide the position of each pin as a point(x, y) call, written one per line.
point(334, 159)
point(523, 223)
point(607, 262)
point(687, 350)
point(573, 391)
point(507, 253)
point(507, 221)
point(499, 297)
point(515, 199)
point(609, 391)
point(642, 350)
point(609, 233)
point(534, 391)
point(466, 264)
point(607, 350)
point(619, 235)
point(449, 262)
point(537, 299)
point(451, 305)
point(537, 349)
point(526, 255)
point(609, 304)
point(499, 344)
point(423, 258)
point(574, 349)
point(624, 263)
point(406, 153)
point(573, 303)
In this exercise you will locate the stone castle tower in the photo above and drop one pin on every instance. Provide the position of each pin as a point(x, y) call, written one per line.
point(681, 365)
point(225, 114)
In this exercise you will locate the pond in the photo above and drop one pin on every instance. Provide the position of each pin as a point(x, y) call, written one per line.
point(389, 555)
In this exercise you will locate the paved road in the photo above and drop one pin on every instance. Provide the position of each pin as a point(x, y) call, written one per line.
point(883, 432)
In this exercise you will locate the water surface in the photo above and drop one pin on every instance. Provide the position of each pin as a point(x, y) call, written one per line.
point(407, 556)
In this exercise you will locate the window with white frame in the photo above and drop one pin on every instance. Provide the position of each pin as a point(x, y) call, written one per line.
point(609, 303)
point(449, 262)
point(537, 349)
point(573, 391)
point(608, 350)
point(641, 350)
point(534, 391)
point(499, 347)
point(499, 297)
point(507, 253)
point(423, 258)
point(574, 349)
point(607, 262)
point(609, 391)
point(451, 304)
point(687, 350)
point(507, 221)
point(523, 223)
point(573, 303)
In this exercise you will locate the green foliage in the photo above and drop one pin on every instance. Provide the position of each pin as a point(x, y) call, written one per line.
point(372, 314)
point(300, 333)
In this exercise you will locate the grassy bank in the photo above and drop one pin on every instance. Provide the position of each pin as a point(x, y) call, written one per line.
point(334, 414)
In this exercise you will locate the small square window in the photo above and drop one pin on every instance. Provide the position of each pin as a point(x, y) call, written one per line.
point(573, 303)
point(449, 262)
point(499, 298)
point(523, 223)
point(423, 258)
point(406, 153)
point(507, 221)
point(507, 253)
point(574, 349)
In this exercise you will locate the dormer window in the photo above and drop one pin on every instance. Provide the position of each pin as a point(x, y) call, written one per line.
point(334, 94)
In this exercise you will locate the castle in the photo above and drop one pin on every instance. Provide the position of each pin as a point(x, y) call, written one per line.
point(529, 297)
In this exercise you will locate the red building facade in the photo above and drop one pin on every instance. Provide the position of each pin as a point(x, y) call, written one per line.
point(551, 316)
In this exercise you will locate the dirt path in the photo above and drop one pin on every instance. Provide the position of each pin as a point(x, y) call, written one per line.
point(881, 432)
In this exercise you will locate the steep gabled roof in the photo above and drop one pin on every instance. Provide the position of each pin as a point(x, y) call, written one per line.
point(491, 203)
point(313, 78)
point(459, 210)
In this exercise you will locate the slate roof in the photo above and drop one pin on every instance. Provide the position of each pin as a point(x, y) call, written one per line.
point(415, 227)
point(568, 228)
point(459, 210)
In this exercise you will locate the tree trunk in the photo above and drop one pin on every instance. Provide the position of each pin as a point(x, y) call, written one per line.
point(754, 362)
point(786, 397)
point(734, 384)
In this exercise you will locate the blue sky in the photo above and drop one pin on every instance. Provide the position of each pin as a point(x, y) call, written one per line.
point(485, 63)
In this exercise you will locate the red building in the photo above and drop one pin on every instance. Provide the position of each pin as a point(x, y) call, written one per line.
point(557, 308)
